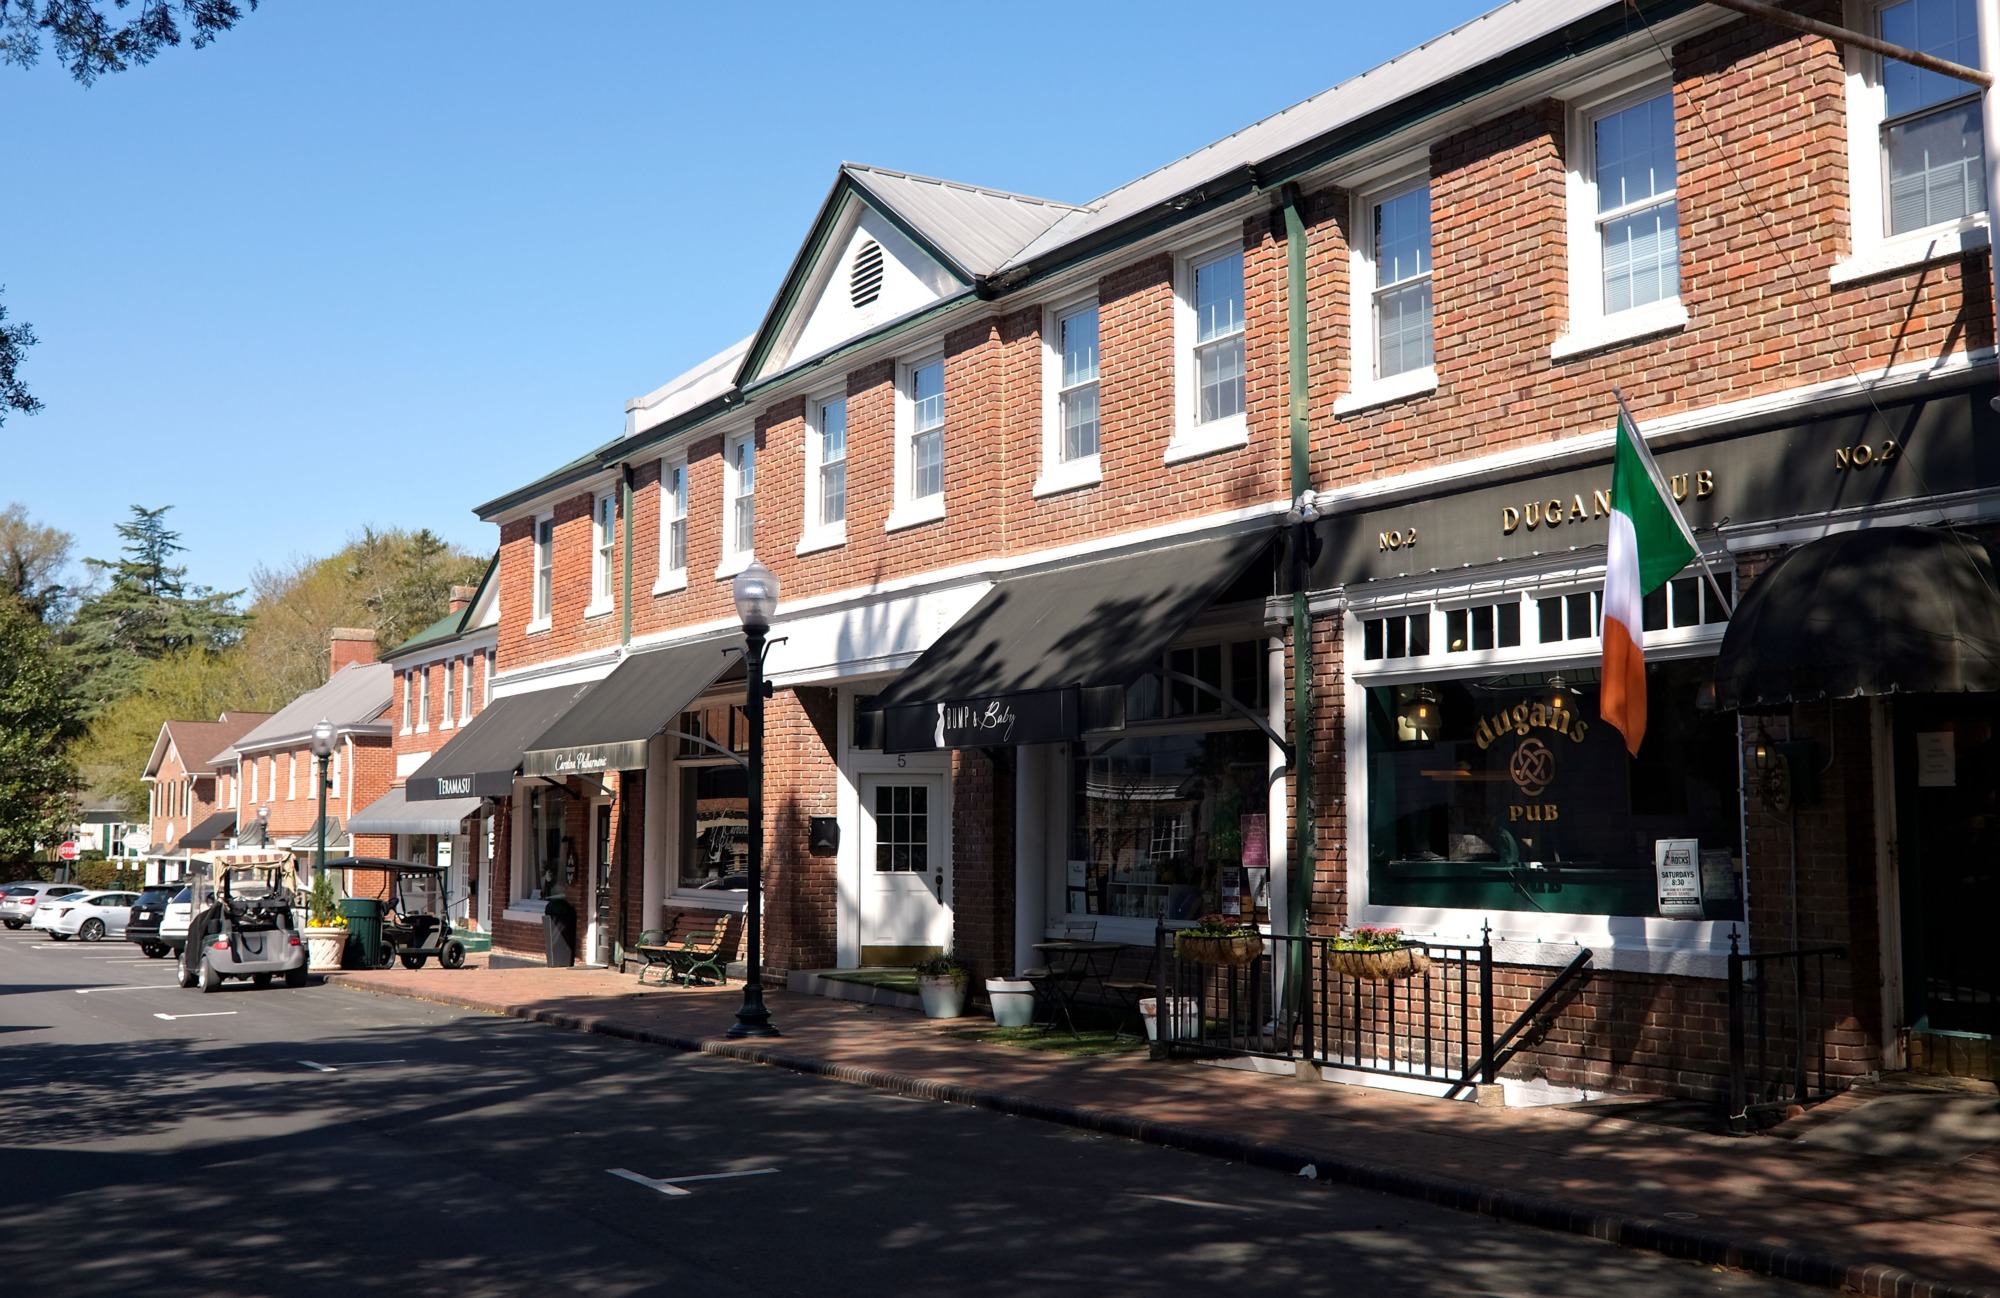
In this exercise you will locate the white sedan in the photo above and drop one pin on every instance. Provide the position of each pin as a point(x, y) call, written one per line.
point(92, 916)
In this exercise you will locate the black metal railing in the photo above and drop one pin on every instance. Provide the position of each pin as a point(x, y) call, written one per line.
point(1778, 1020)
point(1300, 999)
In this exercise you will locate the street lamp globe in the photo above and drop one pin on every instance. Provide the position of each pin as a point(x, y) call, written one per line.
point(322, 741)
point(756, 591)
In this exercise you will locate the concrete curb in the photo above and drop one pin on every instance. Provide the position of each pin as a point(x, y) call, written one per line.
point(1650, 1234)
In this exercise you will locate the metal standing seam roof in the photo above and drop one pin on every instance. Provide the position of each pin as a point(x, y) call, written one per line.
point(978, 229)
point(355, 696)
point(684, 392)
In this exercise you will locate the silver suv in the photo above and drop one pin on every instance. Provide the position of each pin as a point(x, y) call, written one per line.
point(21, 901)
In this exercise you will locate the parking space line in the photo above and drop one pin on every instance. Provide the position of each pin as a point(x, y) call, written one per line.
point(205, 1014)
point(671, 1185)
point(352, 1063)
point(149, 987)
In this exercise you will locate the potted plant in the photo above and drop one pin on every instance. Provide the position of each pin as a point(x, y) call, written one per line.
point(326, 927)
point(1012, 1001)
point(1219, 940)
point(941, 981)
point(559, 932)
point(1376, 953)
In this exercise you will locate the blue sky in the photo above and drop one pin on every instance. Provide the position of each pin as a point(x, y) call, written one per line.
point(367, 262)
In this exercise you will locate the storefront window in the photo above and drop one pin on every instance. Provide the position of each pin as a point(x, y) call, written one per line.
point(545, 829)
point(1169, 826)
point(715, 828)
point(1508, 793)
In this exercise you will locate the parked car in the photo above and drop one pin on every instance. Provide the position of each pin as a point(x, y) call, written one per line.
point(174, 921)
point(51, 908)
point(93, 916)
point(148, 911)
point(22, 900)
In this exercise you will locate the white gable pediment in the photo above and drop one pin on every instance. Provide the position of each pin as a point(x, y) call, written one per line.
point(845, 295)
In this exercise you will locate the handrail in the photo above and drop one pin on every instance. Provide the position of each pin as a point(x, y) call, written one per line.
point(1487, 1066)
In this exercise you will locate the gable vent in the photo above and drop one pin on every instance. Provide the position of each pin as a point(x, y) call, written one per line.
point(864, 283)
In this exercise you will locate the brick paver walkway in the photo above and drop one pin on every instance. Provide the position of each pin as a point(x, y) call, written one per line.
point(1831, 1218)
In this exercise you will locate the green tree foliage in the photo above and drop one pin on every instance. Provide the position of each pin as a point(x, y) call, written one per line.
point(40, 718)
point(408, 577)
point(147, 610)
point(15, 340)
point(192, 685)
point(32, 560)
point(91, 43)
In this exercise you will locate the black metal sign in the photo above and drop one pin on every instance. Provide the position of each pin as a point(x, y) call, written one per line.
point(1040, 717)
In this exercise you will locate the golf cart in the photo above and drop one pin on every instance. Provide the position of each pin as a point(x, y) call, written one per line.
point(249, 930)
point(411, 932)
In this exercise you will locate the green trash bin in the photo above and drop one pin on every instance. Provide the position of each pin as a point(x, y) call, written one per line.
point(364, 932)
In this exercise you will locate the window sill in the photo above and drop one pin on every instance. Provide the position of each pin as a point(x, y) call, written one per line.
point(1910, 251)
point(671, 582)
point(538, 626)
point(599, 608)
point(733, 563)
point(913, 512)
point(1626, 326)
point(710, 899)
point(822, 538)
point(1380, 392)
point(1206, 439)
point(1057, 478)
point(529, 910)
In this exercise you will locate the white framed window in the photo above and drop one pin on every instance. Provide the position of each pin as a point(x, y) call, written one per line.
point(1209, 376)
point(826, 474)
point(445, 703)
point(423, 682)
point(603, 554)
point(545, 572)
point(486, 695)
point(465, 689)
point(253, 782)
point(333, 774)
point(1624, 220)
point(407, 692)
point(1916, 168)
point(920, 418)
point(739, 504)
point(291, 777)
point(673, 526)
point(1070, 374)
point(1390, 266)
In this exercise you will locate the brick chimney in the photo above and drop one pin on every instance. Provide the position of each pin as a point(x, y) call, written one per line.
point(351, 645)
point(461, 596)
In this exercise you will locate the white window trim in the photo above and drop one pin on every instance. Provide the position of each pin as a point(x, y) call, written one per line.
point(1590, 329)
point(1364, 389)
point(445, 705)
point(907, 512)
point(1059, 475)
point(423, 678)
point(813, 534)
point(1191, 440)
point(735, 560)
point(464, 690)
point(1872, 251)
point(603, 556)
point(291, 777)
point(672, 579)
point(406, 729)
point(540, 620)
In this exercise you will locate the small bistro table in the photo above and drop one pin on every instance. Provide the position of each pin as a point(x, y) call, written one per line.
point(1072, 965)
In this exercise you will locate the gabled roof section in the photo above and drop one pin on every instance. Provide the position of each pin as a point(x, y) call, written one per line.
point(713, 378)
point(352, 700)
point(915, 240)
point(200, 743)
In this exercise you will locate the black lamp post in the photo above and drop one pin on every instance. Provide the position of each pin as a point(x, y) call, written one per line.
point(756, 591)
point(322, 746)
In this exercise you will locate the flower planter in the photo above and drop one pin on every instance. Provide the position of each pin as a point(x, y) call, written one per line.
point(1380, 966)
point(1013, 1001)
point(324, 947)
point(1183, 1017)
point(943, 995)
point(1232, 952)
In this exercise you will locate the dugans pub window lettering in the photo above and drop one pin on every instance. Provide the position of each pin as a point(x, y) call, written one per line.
point(1509, 794)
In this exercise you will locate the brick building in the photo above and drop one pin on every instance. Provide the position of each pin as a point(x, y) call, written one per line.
point(191, 804)
point(443, 681)
point(1024, 469)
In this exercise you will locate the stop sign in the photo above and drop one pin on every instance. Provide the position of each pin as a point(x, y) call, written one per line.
point(67, 851)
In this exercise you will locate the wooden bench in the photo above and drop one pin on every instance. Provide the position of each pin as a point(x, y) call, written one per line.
point(696, 954)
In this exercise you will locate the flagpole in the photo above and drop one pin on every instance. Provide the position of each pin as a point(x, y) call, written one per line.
point(1666, 493)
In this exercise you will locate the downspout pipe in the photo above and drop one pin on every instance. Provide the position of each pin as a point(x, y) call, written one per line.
point(625, 556)
point(1304, 801)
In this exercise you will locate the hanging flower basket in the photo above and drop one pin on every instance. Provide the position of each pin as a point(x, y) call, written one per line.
point(1231, 952)
point(1380, 966)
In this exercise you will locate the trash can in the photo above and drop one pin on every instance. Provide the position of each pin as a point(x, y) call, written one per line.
point(364, 932)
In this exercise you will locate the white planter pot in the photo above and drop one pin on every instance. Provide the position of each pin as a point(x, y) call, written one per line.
point(323, 949)
point(943, 997)
point(1186, 1012)
point(1013, 1001)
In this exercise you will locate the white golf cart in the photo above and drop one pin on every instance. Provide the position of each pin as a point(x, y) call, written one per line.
point(250, 930)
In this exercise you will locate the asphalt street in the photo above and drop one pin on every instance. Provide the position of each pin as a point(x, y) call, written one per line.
point(323, 1141)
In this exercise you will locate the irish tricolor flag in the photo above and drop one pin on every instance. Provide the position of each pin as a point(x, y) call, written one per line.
point(1649, 543)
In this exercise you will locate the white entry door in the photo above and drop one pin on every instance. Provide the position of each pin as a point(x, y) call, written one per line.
point(905, 863)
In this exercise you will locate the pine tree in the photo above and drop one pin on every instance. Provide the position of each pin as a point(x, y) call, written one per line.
point(41, 715)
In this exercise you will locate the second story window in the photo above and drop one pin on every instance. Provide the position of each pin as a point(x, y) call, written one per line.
point(829, 502)
point(408, 690)
point(1218, 337)
point(465, 690)
point(444, 703)
point(486, 695)
point(1401, 241)
point(1638, 221)
point(545, 570)
point(927, 431)
point(1076, 400)
point(604, 551)
point(1931, 140)
point(742, 518)
point(673, 526)
point(423, 680)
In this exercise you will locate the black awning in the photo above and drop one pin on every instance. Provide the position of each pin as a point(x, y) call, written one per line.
point(1910, 610)
point(610, 725)
point(482, 759)
point(214, 827)
point(1022, 667)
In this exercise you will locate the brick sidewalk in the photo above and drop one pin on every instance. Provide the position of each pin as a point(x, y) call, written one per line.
point(1764, 1204)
